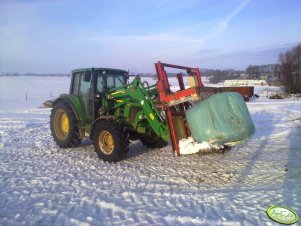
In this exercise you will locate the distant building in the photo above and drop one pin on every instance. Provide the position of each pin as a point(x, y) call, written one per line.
point(243, 76)
point(244, 82)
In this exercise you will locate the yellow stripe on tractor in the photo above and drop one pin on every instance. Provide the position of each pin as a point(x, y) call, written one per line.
point(118, 92)
point(152, 117)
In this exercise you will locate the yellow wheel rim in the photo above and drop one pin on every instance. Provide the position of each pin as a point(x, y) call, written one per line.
point(61, 124)
point(106, 142)
point(65, 124)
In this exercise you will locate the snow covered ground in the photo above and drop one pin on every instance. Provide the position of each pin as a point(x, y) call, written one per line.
point(41, 184)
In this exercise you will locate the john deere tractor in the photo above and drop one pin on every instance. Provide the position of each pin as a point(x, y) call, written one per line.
point(104, 107)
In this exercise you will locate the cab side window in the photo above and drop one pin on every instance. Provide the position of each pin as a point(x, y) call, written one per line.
point(110, 81)
point(84, 88)
point(75, 84)
point(100, 84)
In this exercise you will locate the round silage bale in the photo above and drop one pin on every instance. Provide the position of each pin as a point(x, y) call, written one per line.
point(222, 118)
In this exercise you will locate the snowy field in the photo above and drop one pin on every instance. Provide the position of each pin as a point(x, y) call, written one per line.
point(41, 184)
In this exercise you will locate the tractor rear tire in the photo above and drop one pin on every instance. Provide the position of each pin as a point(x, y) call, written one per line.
point(64, 125)
point(110, 141)
point(153, 142)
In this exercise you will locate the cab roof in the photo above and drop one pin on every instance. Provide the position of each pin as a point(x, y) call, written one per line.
point(108, 70)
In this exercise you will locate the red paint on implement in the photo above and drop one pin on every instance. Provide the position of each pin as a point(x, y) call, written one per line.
point(168, 98)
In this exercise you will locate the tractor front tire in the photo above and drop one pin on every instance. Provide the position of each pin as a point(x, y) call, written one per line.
point(110, 141)
point(64, 125)
point(153, 142)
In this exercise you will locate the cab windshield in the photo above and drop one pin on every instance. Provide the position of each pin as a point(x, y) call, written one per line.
point(115, 81)
point(109, 81)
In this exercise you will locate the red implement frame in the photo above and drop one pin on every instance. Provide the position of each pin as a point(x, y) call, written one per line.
point(170, 101)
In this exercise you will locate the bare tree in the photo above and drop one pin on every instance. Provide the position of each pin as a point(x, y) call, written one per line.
point(290, 69)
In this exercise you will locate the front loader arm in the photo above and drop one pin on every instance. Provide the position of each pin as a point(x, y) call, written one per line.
point(135, 92)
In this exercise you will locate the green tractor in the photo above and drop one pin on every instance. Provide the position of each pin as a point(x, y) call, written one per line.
point(105, 107)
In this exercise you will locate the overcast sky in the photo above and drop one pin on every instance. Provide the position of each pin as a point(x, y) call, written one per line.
point(52, 36)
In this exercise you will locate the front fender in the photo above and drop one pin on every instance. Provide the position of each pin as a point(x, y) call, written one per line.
point(77, 108)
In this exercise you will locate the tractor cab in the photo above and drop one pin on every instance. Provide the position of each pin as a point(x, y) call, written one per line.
point(90, 84)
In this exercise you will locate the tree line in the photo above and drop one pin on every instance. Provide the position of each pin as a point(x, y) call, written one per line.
point(287, 71)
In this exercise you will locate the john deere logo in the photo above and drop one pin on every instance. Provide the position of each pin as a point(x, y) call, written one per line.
point(282, 214)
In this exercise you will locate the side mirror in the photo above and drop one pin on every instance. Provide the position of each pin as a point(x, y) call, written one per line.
point(87, 77)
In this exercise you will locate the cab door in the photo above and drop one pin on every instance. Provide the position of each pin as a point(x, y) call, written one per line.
point(98, 92)
point(82, 88)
